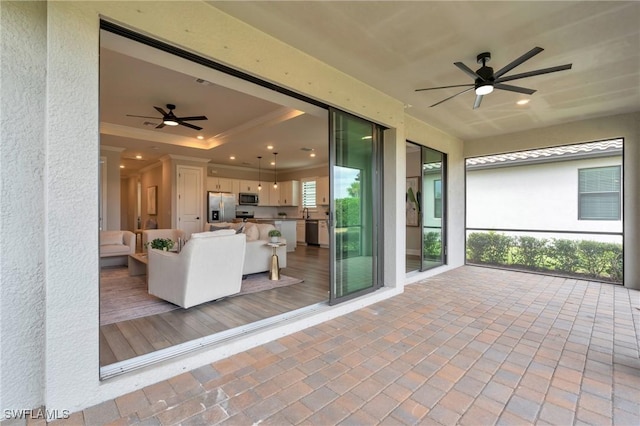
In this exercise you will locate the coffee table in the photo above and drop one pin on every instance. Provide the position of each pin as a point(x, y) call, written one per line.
point(138, 264)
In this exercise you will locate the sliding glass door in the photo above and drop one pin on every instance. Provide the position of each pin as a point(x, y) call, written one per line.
point(354, 212)
point(433, 211)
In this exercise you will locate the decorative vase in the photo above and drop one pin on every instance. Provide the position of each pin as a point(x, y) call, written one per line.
point(275, 239)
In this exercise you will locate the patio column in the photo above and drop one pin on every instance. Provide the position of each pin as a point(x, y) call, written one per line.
point(632, 209)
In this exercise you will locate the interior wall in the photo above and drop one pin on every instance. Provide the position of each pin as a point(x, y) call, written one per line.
point(626, 126)
point(151, 177)
point(113, 186)
point(124, 204)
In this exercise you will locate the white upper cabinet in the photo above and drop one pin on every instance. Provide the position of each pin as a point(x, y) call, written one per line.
point(322, 191)
point(289, 193)
point(249, 186)
point(222, 184)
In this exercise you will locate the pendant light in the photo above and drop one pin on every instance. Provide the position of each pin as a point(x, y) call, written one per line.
point(275, 168)
point(259, 180)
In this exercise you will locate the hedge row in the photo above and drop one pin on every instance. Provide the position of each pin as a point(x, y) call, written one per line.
point(602, 261)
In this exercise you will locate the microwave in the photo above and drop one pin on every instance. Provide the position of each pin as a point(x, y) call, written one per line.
point(247, 199)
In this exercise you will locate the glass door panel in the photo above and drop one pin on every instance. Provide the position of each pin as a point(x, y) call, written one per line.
point(433, 206)
point(355, 192)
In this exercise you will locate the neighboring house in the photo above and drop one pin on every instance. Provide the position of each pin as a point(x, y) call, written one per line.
point(570, 188)
point(49, 175)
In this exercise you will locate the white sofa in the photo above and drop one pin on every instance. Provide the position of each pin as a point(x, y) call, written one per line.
point(151, 234)
point(258, 255)
point(209, 267)
point(116, 246)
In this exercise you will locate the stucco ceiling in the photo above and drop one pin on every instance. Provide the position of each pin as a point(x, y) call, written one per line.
point(398, 47)
point(394, 46)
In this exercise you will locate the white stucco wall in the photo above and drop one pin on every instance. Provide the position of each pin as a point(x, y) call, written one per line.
point(534, 197)
point(625, 126)
point(22, 203)
point(49, 286)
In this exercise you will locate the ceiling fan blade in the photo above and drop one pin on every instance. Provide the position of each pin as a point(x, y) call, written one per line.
point(198, 117)
point(191, 126)
point(534, 73)
point(160, 126)
point(514, 88)
point(444, 100)
point(161, 111)
point(444, 87)
point(530, 54)
point(143, 116)
point(468, 70)
point(478, 101)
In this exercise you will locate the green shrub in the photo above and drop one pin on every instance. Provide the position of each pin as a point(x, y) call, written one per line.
point(488, 247)
point(564, 255)
point(530, 252)
point(615, 268)
point(432, 246)
point(593, 257)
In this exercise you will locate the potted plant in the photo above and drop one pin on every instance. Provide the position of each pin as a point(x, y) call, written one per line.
point(161, 244)
point(274, 236)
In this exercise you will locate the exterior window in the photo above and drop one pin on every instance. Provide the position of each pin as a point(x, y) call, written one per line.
point(599, 193)
point(437, 199)
point(309, 194)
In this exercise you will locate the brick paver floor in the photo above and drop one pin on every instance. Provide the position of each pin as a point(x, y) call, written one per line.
point(472, 346)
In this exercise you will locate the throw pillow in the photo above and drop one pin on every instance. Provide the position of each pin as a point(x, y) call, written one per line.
point(252, 233)
point(264, 229)
point(240, 229)
point(111, 237)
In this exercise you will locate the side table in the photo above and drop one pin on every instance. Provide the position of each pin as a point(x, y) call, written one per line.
point(274, 271)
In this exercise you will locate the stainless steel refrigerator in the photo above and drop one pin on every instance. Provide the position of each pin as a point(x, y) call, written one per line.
point(221, 207)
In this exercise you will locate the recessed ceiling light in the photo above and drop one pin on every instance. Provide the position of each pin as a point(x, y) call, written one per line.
point(523, 101)
point(232, 158)
point(138, 157)
point(269, 146)
point(121, 166)
point(273, 163)
point(200, 137)
point(367, 137)
point(313, 154)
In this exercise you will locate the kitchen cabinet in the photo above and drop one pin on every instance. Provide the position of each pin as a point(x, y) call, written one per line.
point(322, 191)
point(263, 195)
point(288, 229)
point(274, 194)
point(300, 232)
point(323, 233)
point(249, 186)
point(289, 193)
point(223, 185)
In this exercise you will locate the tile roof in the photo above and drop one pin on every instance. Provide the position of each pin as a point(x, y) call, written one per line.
point(585, 149)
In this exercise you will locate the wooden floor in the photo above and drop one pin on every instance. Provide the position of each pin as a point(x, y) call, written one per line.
point(128, 339)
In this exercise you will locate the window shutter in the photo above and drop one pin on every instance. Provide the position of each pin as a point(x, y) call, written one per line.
point(309, 194)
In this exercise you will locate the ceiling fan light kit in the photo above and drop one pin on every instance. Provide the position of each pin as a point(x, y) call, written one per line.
point(170, 119)
point(485, 80)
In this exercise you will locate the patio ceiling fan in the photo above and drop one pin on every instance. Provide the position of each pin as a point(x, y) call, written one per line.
point(485, 80)
point(170, 119)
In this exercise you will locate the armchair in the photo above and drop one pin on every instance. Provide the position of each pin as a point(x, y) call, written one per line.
point(208, 267)
point(116, 246)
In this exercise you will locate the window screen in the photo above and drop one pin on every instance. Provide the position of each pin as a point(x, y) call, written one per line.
point(599, 193)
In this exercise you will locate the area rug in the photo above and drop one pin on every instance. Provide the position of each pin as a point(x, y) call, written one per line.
point(123, 297)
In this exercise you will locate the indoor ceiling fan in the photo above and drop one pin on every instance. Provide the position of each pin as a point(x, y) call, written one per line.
point(485, 80)
point(170, 119)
